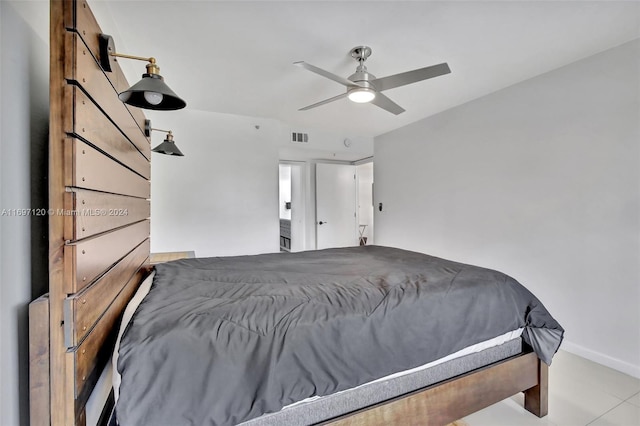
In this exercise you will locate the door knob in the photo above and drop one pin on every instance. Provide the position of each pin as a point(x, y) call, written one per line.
point(321, 222)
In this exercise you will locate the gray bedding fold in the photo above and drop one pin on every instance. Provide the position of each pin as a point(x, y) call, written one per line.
point(218, 341)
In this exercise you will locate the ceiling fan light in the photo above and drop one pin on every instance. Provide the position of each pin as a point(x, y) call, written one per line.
point(362, 95)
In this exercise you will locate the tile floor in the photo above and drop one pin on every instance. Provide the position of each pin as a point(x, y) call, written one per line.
point(581, 393)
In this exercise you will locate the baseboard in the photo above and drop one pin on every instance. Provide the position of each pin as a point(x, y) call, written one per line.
point(606, 360)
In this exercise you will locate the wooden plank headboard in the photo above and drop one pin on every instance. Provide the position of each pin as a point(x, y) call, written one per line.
point(99, 190)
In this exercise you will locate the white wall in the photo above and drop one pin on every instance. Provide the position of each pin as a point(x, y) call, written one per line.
point(221, 198)
point(326, 146)
point(24, 100)
point(542, 181)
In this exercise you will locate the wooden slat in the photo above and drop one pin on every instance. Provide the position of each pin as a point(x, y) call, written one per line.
point(61, 55)
point(83, 309)
point(91, 169)
point(88, 359)
point(453, 399)
point(89, 258)
point(39, 362)
point(93, 126)
point(89, 213)
point(88, 74)
point(87, 26)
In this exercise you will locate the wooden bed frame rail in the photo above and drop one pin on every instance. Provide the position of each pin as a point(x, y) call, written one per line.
point(453, 399)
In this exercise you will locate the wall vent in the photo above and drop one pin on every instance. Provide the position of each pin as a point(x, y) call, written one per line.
point(299, 137)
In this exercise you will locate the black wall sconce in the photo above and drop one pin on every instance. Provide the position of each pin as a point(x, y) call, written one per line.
point(168, 146)
point(151, 92)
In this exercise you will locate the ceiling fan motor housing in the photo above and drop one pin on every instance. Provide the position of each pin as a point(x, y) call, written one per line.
point(361, 77)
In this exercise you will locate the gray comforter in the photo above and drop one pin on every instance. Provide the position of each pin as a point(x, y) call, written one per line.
point(218, 341)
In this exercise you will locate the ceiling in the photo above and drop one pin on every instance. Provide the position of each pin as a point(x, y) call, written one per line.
point(237, 57)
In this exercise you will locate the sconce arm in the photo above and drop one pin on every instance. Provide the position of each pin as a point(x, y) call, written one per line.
point(108, 49)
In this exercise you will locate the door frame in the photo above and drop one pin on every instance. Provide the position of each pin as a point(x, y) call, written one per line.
point(370, 233)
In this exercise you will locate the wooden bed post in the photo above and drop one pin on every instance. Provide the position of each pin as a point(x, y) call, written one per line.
point(39, 395)
point(61, 403)
point(536, 399)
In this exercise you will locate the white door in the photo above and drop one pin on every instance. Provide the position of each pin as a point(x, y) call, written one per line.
point(336, 206)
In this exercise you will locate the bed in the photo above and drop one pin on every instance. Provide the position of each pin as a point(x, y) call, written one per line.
point(99, 163)
point(279, 328)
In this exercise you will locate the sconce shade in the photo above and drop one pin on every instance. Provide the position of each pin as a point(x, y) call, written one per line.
point(151, 92)
point(168, 147)
point(144, 94)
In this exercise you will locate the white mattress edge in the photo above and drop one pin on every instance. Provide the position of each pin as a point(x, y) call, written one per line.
point(99, 396)
point(478, 347)
point(135, 301)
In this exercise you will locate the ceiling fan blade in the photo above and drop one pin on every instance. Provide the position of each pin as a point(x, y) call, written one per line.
point(326, 74)
point(387, 104)
point(397, 80)
point(326, 101)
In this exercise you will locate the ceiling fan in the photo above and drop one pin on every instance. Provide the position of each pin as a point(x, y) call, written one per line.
point(365, 87)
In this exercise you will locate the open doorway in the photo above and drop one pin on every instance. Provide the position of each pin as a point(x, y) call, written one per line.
point(292, 206)
point(298, 204)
